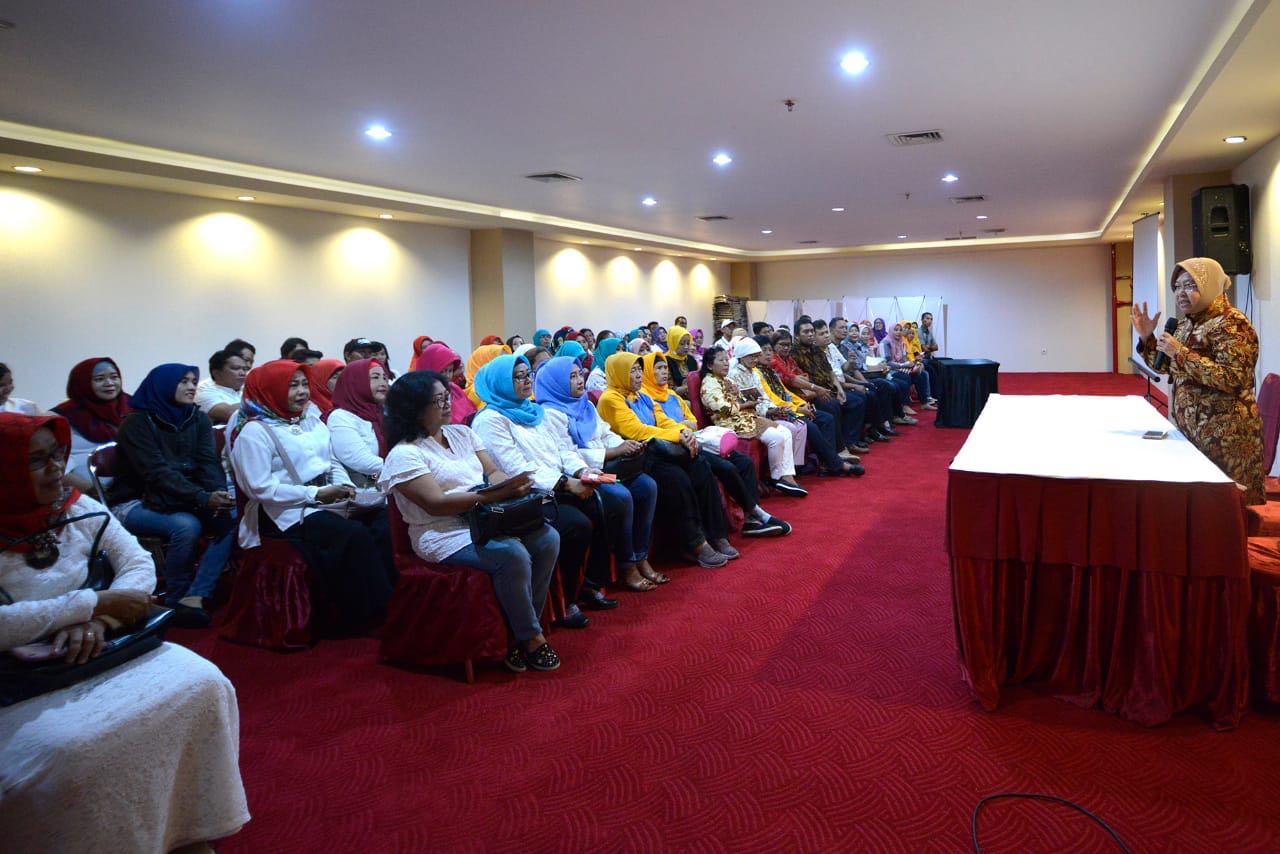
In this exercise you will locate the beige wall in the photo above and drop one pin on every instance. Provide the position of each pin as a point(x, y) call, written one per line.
point(597, 287)
point(1003, 304)
point(150, 277)
point(1262, 173)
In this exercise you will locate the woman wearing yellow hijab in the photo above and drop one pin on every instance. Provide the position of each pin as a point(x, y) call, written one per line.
point(680, 358)
point(688, 499)
point(481, 357)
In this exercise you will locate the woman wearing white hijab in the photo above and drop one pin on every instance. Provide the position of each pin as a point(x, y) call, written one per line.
point(1211, 360)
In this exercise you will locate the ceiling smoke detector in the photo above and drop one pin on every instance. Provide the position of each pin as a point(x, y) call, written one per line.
point(966, 200)
point(553, 177)
point(915, 137)
point(715, 218)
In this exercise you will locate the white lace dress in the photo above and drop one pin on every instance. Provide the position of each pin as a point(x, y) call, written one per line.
point(141, 758)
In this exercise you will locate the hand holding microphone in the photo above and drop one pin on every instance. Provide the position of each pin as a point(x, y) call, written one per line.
point(1167, 345)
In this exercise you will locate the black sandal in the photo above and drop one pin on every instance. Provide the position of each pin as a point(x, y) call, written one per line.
point(515, 660)
point(542, 658)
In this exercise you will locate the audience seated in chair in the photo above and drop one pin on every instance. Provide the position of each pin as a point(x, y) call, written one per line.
point(141, 757)
point(9, 403)
point(95, 406)
point(351, 570)
point(219, 395)
point(431, 470)
point(169, 484)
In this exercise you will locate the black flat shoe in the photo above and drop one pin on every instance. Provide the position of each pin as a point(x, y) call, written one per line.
point(597, 601)
point(542, 658)
point(576, 620)
point(515, 660)
point(187, 617)
point(789, 489)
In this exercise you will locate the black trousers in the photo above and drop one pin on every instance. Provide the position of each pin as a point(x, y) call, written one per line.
point(736, 473)
point(689, 500)
point(351, 577)
point(936, 383)
point(584, 543)
point(820, 440)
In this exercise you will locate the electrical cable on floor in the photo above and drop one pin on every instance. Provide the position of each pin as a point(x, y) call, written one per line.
point(1034, 796)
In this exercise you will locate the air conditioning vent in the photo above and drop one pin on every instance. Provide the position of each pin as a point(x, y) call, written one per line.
point(915, 137)
point(806, 242)
point(553, 177)
point(715, 218)
point(964, 237)
point(994, 230)
point(966, 200)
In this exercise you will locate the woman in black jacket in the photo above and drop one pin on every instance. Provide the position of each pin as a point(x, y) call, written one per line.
point(169, 484)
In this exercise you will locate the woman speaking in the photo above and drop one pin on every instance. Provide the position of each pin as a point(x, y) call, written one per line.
point(1210, 359)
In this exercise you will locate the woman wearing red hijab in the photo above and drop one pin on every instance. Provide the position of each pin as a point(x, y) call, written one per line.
point(99, 732)
point(95, 406)
point(419, 344)
point(350, 574)
point(439, 358)
point(355, 423)
point(322, 378)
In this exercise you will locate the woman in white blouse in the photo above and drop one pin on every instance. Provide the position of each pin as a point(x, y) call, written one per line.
point(432, 469)
point(142, 757)
point(9, 403)
point(351, 566)
point(355, 422)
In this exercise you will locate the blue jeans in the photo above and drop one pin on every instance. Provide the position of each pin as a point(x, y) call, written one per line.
point(521, 572)
point(181, 533)
point(632, 504)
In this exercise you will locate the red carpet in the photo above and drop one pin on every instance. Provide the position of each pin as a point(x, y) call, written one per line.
point(806, 697)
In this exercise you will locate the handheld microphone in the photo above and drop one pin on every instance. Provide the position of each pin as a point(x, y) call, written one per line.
point(1162, 359)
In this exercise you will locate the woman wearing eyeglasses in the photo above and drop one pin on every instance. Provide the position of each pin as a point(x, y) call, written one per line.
point(1211, 359)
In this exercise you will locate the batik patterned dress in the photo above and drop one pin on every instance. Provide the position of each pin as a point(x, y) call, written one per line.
point(1213, 402)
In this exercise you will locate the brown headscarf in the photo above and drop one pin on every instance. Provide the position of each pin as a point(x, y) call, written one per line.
point(1209, 276)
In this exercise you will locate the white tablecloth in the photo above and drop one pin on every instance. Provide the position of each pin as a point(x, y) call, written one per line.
point(1070, 436)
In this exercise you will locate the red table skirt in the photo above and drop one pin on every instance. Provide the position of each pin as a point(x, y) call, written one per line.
point(1079, 587)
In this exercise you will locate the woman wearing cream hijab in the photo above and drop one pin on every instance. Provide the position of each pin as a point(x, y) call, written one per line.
point(1212, 356)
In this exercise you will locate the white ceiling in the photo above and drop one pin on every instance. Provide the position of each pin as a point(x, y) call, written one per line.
point(1049, 109)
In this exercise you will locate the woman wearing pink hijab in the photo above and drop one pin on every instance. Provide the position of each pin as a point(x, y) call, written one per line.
point(439, 358)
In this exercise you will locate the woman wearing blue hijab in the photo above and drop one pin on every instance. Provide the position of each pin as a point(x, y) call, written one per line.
point(542, 338)
point(561, 389)
point(169, 484)
point(596, 379)
point(572, 350)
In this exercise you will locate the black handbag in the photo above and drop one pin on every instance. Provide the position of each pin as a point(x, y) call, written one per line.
point(626, 468)
point(514, 517)
point(20, 680)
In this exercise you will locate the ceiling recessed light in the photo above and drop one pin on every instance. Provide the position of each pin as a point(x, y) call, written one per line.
point(648, 201)
point(854, 62)
point(902, 237)
point(982, 216)
point(378, 132)
point(837, 210)
point(385, 216)
point(29, 169)
point(722, 159)
point(949, 178)
point(1234, 140)
point(244, 198)
point(766, 231)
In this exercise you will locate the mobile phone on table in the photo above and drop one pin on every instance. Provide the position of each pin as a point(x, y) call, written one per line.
point(1155, 434)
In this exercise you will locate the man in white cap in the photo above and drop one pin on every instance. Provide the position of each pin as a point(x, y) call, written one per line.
point(726, 334)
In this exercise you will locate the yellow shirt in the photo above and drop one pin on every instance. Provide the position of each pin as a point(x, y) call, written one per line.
point(613, 408)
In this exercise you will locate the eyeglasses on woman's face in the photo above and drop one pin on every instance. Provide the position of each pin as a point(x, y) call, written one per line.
point(39, 461)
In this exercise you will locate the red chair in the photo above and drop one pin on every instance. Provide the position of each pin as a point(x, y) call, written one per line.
point(594, 397)
point(439, 614)
point(1263, 520)
point(270, 605)
point(1264, 619)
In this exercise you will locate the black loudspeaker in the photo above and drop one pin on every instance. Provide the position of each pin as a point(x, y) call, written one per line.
point(1220, 227)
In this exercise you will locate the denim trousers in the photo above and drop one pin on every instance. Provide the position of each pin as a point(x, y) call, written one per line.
point(181, 533)
point(521, 571)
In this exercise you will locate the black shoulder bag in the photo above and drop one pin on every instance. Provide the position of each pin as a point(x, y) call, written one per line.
point(21, 680)
point(514, 517)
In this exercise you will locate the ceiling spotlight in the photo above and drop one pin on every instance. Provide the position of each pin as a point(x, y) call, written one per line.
point(29, 169)
point(648, 201)
point(902, 237)
point(244, 198)
point(377, 132)
point(837, 210)
point(854, 62)
point(982, 216)
point(637, 249)
point(766, 231)
point(1234, 140)
point(385, 216)
point(949, 178)
point(722, 159)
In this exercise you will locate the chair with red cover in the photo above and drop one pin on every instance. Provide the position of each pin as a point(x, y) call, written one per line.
point(270, 605)
point(1264, 619)
point(753, 448)
point(439, 614)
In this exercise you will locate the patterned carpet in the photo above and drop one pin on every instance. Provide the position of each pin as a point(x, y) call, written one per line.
point(806, 697)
